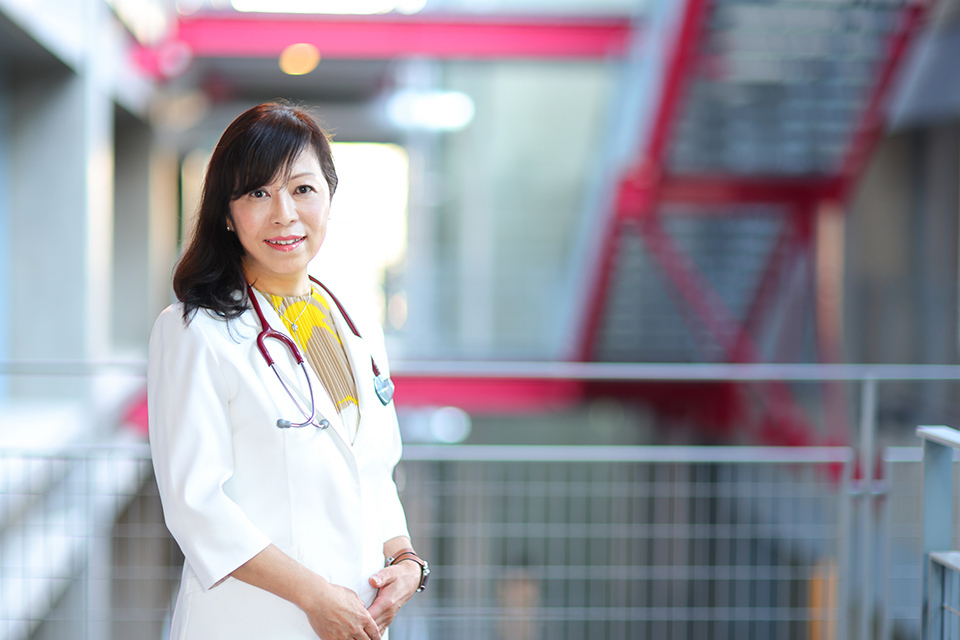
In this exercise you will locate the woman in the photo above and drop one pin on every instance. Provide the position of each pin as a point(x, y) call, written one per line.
point(275, 481)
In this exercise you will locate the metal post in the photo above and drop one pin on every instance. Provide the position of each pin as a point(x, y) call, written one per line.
point(886, 538)
point(937, 497)
point(868, 423)
point(935, 588)
point(844, 548)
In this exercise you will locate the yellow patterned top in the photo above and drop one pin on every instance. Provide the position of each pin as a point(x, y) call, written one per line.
point(309, 321)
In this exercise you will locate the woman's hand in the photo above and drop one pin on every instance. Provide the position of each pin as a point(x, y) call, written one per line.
point(397, 584)
point(337, 613)
point(334, 612)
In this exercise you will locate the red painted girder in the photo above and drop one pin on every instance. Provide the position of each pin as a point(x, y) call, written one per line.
point(870, 128)
point(682, 61)
point(486, 395)
point(785, 421)
point(386, 37)
point(696, 292)
point(787, 247)
point(638, 192)
point(721, 190)
point(716, 409)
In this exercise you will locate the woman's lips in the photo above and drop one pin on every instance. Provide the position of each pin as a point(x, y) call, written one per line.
point(287, 243)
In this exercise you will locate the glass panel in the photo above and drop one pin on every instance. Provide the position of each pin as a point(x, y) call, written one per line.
point(510, 189)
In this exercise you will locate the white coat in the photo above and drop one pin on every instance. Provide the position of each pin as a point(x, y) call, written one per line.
point(231, 482)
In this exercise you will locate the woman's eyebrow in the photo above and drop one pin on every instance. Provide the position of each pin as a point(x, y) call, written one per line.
point(302, 174)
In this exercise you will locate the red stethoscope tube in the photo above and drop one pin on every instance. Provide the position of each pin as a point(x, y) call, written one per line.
point(382, 384)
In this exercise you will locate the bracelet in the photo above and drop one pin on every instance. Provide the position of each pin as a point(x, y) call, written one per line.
point(398, 554)
point(411, 555)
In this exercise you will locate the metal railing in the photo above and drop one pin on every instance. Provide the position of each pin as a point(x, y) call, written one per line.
point(940, 602)
point(884, 541)
point(84, 552)
point(530, 542)
point(629, 542)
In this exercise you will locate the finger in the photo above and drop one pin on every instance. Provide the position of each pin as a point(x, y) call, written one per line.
point(378, 606)
point(383, 625)
point(373, 630)
point(383, 577)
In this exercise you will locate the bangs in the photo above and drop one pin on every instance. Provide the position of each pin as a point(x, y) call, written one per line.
point(267, 153)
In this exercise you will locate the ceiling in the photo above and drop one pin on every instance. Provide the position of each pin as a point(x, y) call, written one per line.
point(573, 8)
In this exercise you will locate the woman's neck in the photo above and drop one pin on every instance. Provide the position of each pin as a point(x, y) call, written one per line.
point(292, 285)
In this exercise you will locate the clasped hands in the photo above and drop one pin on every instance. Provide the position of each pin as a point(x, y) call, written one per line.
point(339, 614)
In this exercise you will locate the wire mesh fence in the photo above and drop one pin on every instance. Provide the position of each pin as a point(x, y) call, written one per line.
point(944, 619)
point(610, 543)
point(84, 552)
point(526, 543)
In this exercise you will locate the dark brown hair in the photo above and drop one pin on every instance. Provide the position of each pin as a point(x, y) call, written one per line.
point(261, 144)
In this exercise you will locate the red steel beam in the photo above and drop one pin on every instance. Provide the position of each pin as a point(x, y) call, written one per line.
point(719, 190)
point(386, 37)
point(694, 289)
point(485, 396)
point(638, 191)
point(870, 129)
point(785, 421)
point(770, 281)
point(682, 63)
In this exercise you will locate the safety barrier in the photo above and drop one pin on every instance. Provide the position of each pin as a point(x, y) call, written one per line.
point(940, 603)
point(873, 577)
point(630, 542)
point(527, 542)
point(84, 552)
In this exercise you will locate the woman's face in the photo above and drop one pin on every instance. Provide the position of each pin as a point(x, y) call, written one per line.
point(281, 226)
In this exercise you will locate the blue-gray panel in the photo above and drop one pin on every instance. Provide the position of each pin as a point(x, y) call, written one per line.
point(928, 90)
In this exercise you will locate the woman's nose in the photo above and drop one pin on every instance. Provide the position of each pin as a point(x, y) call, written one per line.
point(284, 210)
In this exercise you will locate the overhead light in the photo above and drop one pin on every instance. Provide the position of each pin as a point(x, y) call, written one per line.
point(147, 20)
point(450, 425)
point(430, 110)
point(179, 112)
point(409, 7)
point(436, 425)
point(362, 7)
point(299, 59)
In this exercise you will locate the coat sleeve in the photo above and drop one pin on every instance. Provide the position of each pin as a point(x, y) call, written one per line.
point(191, 442)
point(393, 519)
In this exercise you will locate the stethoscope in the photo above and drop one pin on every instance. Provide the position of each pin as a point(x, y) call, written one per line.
point(382, 384)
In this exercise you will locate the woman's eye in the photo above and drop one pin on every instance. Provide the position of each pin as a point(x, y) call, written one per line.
point(305, 188)
point(258, 193)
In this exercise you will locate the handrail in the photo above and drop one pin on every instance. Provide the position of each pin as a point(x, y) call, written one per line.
point(941, 435)
point(628, 453)
point(694, 372)
point(585, 371)
point(508, 453)
point(938, 449)
point(69, 367)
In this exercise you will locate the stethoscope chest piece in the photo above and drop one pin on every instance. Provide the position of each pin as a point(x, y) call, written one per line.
point(322, 424)
point(384, 387)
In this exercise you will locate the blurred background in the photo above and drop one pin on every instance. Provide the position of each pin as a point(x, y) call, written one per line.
point(667, 286)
